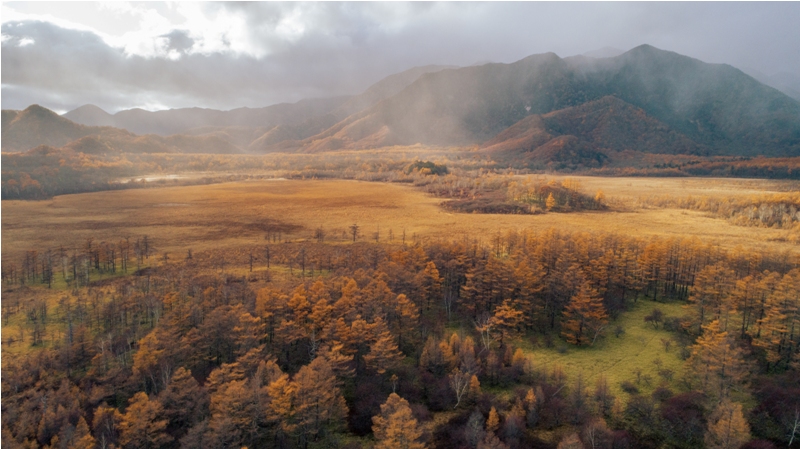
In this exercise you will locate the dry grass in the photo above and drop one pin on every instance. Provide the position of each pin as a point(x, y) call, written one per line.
point(231, 215)
point(630, 191)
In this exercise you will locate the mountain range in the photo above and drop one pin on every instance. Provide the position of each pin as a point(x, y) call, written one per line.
point(578, 110)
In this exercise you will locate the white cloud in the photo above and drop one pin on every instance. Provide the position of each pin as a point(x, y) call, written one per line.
point(25, 41)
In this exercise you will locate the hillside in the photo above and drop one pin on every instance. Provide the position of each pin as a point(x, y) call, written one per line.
point(290, 137)
point(295, 121)
point(36, 126)
point(90, 115)
point(40, 126)
point(716, 107)
point(176, 121)
point(713, 104)
point(582, 136)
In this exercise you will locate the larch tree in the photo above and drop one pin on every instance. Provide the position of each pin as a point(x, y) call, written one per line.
point(142, 425)
point(319, 403)
point(272, 307)
point(383, 353)
point(395, 427)
point(600, 198)
point(183, 400)
point(727, 427)
point(429, 284)
point(432, 357)
point(237, 413)
point(281, 407)
point(528, 283)
point(354, 231)
point(716, 362)
point(505, 321)
point(493, 421)
point(81, 438)
point(779, 326)
point(407, 315)
point(106, 425)
point(711, 295)
point(584, 317)
point(550, 202)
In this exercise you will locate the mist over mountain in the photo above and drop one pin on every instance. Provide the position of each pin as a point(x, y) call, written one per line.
point(788, 83)
point(541, 109)
point(719, 108)
point(605, 52)
point(288, 136)
point(175, 121)
point(36, 126)
point(582, 136)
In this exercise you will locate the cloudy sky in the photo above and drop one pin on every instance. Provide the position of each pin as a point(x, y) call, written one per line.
point(120, 55)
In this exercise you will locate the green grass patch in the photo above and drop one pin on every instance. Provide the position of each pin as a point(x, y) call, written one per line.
point(618, 358)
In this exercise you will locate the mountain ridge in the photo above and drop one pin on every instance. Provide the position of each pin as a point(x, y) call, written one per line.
point(715, 105)
point(645, 100)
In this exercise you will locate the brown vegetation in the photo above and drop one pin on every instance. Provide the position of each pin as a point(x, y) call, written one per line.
point(198, 217)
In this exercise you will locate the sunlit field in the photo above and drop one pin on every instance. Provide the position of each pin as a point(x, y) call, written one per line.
point(177, 219)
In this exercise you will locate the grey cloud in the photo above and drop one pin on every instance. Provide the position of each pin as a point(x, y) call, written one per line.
point(348, 46)
point(179, 40)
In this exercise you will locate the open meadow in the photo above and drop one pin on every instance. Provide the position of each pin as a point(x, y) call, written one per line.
point(228, 215)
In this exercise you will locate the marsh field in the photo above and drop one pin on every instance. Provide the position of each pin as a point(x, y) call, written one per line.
point(227, 215)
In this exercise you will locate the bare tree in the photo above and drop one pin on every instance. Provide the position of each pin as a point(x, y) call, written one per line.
point(354, 231)
point(484, 326)
point(319, 234)
point(459, 382)
point(795, 427)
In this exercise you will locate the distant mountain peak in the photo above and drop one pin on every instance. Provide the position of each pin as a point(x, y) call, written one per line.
point(39, 111)
point(90, 115)
point(88, 107)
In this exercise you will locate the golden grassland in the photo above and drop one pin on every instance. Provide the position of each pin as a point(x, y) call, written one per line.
point(633, 190)
point(238, 214)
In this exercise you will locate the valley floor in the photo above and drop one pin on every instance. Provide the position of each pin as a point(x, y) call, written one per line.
point(241, 213)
